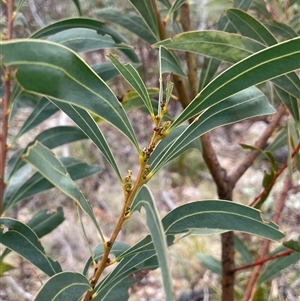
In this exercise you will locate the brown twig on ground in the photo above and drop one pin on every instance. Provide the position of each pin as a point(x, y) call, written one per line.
point(250, 290)
point(278, 173)
point(5, 105)
point(261, 262)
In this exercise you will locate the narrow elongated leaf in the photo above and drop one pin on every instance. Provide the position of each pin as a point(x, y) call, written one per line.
point(63, 286)
point(77, 4)
point(44, 221)
point(169, 63)
point(57, 72)
point(280, 29)
point(216, 214)
point(210, 263)
point(251, 71)
point(131, 75)
point(212, 214)
point(144, 198)
point(146, 11)
point(37, 183)
point(21, 239)
point(47, 163)
point(43, 110)
point(242, 250)
point(129, 21)
point(164, 146)
point(100, 27)
point(245, 104)
point(250, 27)
point(87, 124)
point(275, 268)
point(221, 45)
point(85, 39)
point(210, 66)
point(175, 6)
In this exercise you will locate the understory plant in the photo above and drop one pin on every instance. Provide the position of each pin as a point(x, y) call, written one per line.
point(246, 51)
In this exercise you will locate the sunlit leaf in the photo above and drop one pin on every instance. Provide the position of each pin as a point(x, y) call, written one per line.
point(21, 239)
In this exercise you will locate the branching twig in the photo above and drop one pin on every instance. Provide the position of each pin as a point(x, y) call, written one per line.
point(260, 262)
point(5, 105)
point(278, 173)
point(250, 290)
point(260, 143)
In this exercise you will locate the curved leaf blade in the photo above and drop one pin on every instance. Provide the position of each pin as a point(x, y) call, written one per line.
point(253, 70)
point(88, 125)
point(281, 29)
point(43, 110)
point(219, 214)
point(146, 11)
point(221, 45)
point(63, 286)
point(169, 63)
point(85, 39)
point(245, 104)
point(63, 76)
point(100, 27)
point(129, 21)
point(37, 183)
point(144, 198)
point(51, 168)
point(21, 239)
point(133, 78)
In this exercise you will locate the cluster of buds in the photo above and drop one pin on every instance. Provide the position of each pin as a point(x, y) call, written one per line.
point(146, 171)
point(162, 130)
point(163, 108)
point(146, 153)
point(128, 181)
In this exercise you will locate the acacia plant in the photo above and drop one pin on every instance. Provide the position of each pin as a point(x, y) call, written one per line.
point(46, 67)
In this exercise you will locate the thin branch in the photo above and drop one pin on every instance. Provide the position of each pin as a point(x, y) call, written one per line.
point(250, 290)
point(260, 143)
point(278, 173)
point(5, 106)
point(261, 262)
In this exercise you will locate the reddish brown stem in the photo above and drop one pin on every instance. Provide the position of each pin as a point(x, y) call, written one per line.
point(260, 262)
point(250, 290)
point(5, 107)
point(278, 173)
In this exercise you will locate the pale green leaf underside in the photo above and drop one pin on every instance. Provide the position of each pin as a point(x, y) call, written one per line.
point(57, 72)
